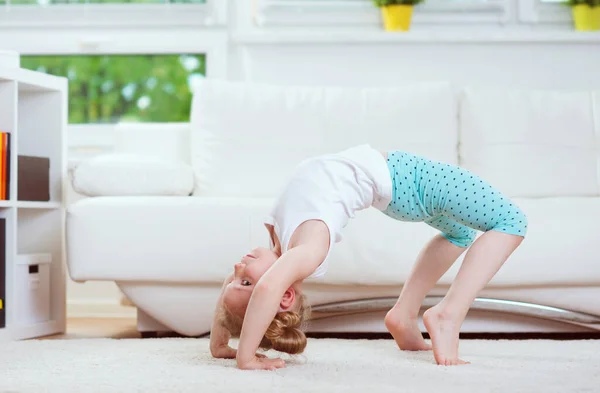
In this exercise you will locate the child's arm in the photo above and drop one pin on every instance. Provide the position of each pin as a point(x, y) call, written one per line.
point(219, 336)
point(307, 252)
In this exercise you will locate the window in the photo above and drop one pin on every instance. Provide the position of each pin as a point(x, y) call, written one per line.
point(125, 88)
point(126, 60)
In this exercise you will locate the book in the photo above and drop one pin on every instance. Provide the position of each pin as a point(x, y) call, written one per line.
point(4, 165)
point(34, 178)
point(3, 260)
point(2, 161)
point(7, 166)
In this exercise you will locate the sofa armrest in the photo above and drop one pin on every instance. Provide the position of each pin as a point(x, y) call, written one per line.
point(120, 174)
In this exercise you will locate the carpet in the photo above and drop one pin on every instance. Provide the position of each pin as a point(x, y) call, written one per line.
point(328, 365)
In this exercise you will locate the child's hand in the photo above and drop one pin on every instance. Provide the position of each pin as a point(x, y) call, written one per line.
point(261, 362)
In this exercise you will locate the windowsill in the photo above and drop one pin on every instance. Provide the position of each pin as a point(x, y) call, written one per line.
point(418, 35)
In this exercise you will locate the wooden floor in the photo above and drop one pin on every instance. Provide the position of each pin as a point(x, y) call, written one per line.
point(78, 328)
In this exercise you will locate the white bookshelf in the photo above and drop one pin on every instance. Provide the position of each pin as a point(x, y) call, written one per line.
point(33, 109)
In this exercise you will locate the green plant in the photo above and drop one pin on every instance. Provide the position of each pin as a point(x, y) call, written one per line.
point(383, 3)
point(572, 3)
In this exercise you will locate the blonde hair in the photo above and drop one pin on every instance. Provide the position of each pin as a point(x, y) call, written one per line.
point(284, 334)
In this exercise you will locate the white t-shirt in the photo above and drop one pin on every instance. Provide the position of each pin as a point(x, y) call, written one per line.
point(331, 188)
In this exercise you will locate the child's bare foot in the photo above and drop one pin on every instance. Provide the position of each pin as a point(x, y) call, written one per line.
point(406, 332)
point(444, 337)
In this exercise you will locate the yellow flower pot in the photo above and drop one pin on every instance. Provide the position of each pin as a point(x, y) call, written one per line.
point(596, 17)
point(397, 17)
point(583, 17)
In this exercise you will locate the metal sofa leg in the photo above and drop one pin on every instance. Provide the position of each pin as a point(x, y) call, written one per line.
point(483, 304)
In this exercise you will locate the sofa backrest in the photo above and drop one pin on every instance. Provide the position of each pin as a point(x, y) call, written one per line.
point(246, 138)
point(532, 143)
point(152, 139)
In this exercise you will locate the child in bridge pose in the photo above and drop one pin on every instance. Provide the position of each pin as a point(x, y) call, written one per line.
point(262, 301)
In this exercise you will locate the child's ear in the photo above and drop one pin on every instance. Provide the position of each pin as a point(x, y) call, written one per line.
point(287, 301)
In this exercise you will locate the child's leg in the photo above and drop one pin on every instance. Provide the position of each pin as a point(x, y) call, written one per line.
point(456, 202)
point(482, 261)
point(467, 201)
point(402, 320)
point(433, 261)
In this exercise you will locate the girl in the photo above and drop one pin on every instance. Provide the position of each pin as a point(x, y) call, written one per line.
point(262, 301)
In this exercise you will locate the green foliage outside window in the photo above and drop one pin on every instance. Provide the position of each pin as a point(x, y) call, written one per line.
point(114, 88)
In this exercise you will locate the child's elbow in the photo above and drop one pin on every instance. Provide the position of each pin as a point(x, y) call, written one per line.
point(263, 287)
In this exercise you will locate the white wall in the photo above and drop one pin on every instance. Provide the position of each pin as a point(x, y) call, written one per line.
point(547, 57)
point(520, 65)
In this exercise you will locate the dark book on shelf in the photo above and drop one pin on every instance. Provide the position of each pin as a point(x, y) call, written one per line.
point(34, 178)
point(3, 260)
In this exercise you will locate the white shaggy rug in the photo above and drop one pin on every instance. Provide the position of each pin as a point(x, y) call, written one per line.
point(329, 365)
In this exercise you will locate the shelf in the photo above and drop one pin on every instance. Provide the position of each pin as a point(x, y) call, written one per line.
point(31, 81)
point(33, 109)
point(8, 124)
point(28, 331)
point(9, 217)
point(30, 204)
point(38, 330)
point(42, 134)
point(37, 205)
point(8, 102)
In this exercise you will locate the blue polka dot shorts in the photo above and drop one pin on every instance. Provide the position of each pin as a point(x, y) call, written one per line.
point(450, 199)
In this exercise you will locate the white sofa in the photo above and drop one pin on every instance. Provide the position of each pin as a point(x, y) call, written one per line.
point(169, 251)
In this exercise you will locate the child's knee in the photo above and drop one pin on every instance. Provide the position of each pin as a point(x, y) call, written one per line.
point(523, 222)
point(514, 224)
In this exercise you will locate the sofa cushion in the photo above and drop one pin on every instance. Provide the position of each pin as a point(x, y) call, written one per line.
point(532, 143)
point(163, 239)
point(246, 138)
point(185, 240)
point(132, 174)
point(561, 248)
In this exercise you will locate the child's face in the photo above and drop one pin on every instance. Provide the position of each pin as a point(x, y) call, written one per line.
point(247, 272)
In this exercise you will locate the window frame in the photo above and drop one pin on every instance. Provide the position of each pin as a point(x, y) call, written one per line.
point(298, 13)
point(539, 12)
point(211, 13)
point(88, 140)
